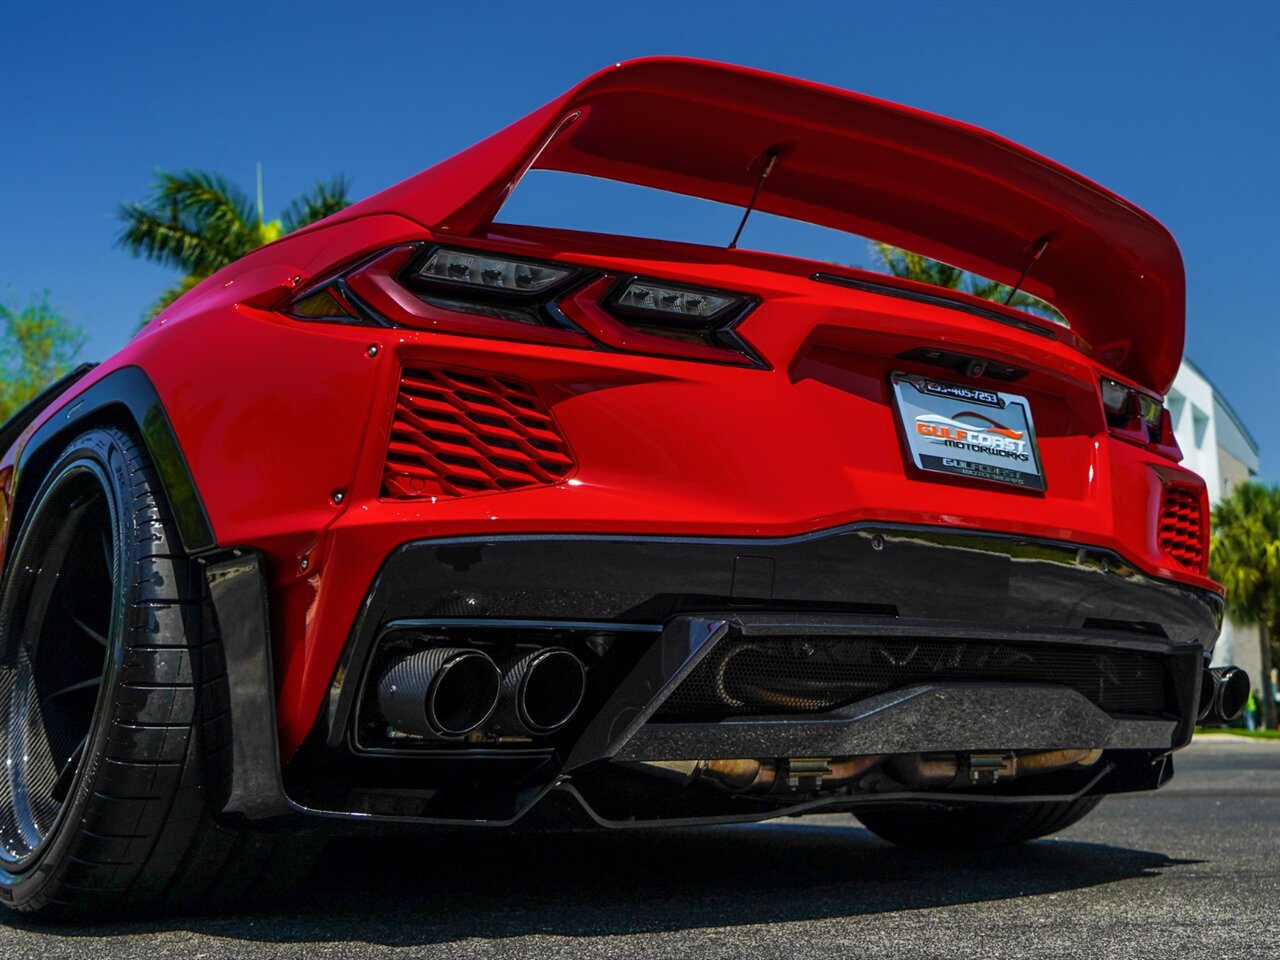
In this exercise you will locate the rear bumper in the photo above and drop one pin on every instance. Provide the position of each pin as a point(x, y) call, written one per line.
point(994, 581)
point(859, 579)
point(672, 601)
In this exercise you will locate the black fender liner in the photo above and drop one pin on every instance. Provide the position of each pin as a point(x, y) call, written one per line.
point(127, 391)
point(22, 418)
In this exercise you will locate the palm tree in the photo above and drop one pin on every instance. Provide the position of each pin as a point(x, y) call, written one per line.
point(198, 222)
point(914, 266)
point(1244, 556)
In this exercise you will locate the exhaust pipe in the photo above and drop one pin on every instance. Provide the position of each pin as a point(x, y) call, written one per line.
point(541, 691)
point(1224, 691)
point(744, 776)
point(955, 769)
point(443, 693)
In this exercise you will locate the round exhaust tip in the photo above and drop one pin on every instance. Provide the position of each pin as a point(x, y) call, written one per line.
point(541, 691)
point(1232, 694)
point(443, 692)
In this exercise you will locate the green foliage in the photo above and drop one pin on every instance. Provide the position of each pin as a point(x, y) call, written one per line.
point(914, 266)
point(37, 345)
point(199, 222)
point(320, 201)
point(1244, 553)
point(1244, 556)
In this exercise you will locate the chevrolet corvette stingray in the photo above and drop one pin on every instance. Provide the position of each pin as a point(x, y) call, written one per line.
point(417, 517)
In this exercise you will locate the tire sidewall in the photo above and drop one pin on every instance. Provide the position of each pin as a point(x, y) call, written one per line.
point(101, 450)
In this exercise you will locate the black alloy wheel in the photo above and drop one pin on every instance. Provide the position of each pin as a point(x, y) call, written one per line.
point(55, 650)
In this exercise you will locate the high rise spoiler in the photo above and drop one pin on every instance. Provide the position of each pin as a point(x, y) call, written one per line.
point(948, 190)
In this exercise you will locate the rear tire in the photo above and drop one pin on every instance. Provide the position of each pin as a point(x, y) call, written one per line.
point(922, 827)
point(114, 723)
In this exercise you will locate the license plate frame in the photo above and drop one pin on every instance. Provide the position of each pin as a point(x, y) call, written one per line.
point(970, 432)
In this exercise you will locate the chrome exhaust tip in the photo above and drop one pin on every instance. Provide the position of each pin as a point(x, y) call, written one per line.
point(442, 693)
point(541, 692)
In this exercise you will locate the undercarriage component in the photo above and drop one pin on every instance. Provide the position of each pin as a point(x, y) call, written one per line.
point(916, 770)
point(763, 776)
point(956, 769)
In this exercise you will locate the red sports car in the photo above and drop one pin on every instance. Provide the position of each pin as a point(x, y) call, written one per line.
point(416, 517)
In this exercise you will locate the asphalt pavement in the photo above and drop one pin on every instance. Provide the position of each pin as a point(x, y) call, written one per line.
point(1192, 870)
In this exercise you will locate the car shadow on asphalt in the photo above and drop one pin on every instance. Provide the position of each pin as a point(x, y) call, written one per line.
point(443, 889)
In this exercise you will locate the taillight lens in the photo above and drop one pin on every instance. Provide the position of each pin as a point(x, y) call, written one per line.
point(490, 273)
point(670, 304)
point(1115, 397)
point(694, 315)
point(478, 293)
point(1139, 418)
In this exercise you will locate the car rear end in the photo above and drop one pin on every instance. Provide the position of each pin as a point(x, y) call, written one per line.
point(663, 531)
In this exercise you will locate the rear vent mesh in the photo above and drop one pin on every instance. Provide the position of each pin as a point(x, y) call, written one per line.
point(745, 677)
point(1182, 526)
point(461, 432)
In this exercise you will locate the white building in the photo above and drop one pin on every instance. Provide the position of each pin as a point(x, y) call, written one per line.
point(1216, 444)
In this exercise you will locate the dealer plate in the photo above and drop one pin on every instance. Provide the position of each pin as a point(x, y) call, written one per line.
point(968, 431)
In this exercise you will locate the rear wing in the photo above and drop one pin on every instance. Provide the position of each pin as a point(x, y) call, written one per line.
point(945, 189)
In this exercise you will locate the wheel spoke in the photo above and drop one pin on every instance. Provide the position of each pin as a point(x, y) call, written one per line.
point(62, 786)
point(54, 560)
point(82, 685)
point(94, 634)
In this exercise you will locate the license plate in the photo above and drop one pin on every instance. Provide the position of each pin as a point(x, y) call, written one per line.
point(968, 431)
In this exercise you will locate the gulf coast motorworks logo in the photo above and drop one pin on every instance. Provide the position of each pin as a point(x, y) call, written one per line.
point(974, 432)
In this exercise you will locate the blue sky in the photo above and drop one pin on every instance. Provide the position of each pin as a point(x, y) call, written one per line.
point(1173, 105)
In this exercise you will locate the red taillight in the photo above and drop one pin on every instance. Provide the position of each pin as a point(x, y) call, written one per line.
point(587, 309)
point(1138, 418)
point(376, 285)
point(463, 432)
point(459, 291)
point(1183, 533)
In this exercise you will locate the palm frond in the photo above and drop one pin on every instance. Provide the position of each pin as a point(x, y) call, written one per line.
point(325, 198)
point(194, 221)
point(915, 266)
point(999, 292)
point(168, 241)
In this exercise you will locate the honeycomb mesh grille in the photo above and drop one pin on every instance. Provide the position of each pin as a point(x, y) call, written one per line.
point(745, 677)
point(1182, 526)
point(462, 432)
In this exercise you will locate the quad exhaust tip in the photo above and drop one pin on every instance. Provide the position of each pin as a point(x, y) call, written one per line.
point(541, 691)
point(442, 693)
